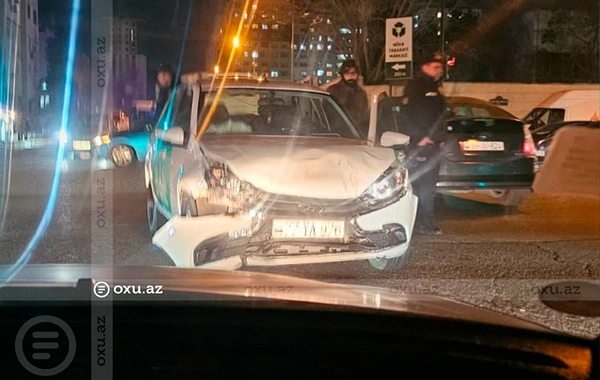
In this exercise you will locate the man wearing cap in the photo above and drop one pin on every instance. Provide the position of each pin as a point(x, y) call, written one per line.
point(423, 119)
point(351, 96)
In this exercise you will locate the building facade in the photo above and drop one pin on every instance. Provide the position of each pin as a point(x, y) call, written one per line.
point(19, 70)
point(129, 67)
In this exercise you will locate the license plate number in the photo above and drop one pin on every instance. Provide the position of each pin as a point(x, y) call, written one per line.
point(473, 145)
point(540, 153)
point(308, 229)
point(82, 145)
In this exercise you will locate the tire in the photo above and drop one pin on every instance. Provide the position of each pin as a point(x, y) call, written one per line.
point(388, 265)
point(122, 155)
point(155, 219)
point(513, 197)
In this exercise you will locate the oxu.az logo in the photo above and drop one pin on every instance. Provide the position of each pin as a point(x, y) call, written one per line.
point(398, 30)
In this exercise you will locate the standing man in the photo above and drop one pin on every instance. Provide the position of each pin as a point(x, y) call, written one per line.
point(165, 83)
point(423, 119)
point(352, 97)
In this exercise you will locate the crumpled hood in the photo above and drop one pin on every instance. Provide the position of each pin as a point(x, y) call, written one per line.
point(313, 167)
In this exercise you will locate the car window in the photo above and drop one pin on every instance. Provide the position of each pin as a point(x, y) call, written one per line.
point(540, 117)
point(178, 112)
point(273, 112)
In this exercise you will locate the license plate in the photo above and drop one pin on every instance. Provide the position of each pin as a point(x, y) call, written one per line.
point(82, 145)
point(540, 153)
point(474, 146)
point(308, 229)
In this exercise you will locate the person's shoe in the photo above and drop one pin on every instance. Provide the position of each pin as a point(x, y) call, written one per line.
point(429, 229)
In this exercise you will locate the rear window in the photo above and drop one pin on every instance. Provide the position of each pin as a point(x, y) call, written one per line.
point(540, 117)
point(470, 110)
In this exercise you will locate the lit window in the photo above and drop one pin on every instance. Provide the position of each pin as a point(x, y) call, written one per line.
point(329, 21)
point(237, 15)
point(245, 16)
point(254, 26)
point(320, 38)
point(274, 74)
point(246, 54)
point(302, 47)
point(328, 47)
point(254, 54)
point(329, 39)
point(329, 65)
point(439, 15)
point(330, 73)
point(320, 73)
point(319, 47)
point(312, 30)
point(265, 26)
point(275, 27)
point(310, 47)
point(345, 31)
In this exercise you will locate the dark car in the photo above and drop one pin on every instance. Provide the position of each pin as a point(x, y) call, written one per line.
point(544, 135)
point(489, 155)
point(78, 140)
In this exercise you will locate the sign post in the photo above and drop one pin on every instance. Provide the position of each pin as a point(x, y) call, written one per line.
point(398, 48)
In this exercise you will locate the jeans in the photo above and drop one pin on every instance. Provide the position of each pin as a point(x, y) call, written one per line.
point(424, 177)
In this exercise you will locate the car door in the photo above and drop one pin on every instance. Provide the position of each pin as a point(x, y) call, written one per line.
point(166, 156)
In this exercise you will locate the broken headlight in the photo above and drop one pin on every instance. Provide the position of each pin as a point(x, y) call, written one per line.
point(390, 186)
point(225, 189)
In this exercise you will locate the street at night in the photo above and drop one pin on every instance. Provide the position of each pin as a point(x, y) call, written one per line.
point(486, 257)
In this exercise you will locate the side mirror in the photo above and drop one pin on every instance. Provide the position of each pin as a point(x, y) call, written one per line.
point(392, 139)
point(173, 136)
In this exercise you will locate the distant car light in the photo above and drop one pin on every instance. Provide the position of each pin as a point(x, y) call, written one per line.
point(101, 140)
point(62, 136)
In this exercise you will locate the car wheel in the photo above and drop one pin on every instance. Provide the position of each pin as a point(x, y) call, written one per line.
point(155, 218)
point(122, 155)
point(390, 264)
point(513, 197)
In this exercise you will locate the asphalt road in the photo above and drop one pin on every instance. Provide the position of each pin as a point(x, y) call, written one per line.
point(486, 256)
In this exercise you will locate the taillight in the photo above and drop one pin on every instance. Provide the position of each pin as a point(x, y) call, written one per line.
point(529, 148)
point(528, 144)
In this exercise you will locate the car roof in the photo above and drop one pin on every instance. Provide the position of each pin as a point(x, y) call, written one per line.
point(244, 80)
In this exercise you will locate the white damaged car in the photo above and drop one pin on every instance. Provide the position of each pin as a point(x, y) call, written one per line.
point(244, 172)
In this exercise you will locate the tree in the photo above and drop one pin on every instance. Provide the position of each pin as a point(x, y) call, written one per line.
point(574, 35)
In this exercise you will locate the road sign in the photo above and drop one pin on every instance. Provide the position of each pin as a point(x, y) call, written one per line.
point(398, 48)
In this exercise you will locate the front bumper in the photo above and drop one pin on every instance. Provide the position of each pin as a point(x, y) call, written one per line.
point(231, 241)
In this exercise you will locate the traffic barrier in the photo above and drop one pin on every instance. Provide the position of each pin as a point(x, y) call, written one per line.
point(572, 166)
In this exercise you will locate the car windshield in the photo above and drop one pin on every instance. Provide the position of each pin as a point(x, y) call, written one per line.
point(273, 112)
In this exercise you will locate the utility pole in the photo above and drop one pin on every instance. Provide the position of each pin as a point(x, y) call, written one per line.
point(292, 43)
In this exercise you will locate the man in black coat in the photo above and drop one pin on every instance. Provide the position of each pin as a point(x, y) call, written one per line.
point(423, 119)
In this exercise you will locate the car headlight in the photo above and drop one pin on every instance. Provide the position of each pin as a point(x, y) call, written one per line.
point(101, 140)
point(63, 137)
point(390, 186)
point(223, 188)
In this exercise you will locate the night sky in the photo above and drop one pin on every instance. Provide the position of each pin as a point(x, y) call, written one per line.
point(160, 32)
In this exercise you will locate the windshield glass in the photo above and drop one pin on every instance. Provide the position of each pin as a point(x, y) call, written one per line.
point(275, 112)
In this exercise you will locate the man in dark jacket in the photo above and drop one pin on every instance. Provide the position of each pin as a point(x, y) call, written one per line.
point(423, 119)
point(351, 96)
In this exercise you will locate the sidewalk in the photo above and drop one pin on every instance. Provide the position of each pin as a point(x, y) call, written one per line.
point(31, 143)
